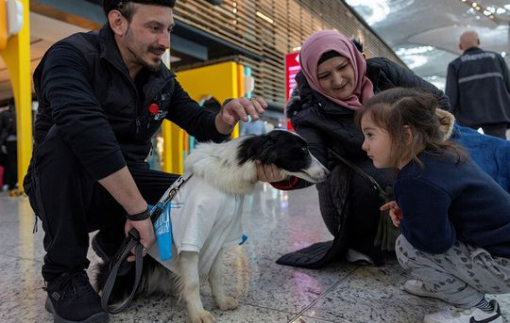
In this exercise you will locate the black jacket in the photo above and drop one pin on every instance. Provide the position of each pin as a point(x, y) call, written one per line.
point(84, 89)
point(478, 85)
point(326, 125)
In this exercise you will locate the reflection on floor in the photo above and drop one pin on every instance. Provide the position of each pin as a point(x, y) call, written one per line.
point(276, 222)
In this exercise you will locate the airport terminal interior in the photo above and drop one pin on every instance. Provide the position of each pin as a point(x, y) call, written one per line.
point(249, 49)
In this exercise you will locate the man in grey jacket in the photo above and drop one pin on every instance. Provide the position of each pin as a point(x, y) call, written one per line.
point(478, 86)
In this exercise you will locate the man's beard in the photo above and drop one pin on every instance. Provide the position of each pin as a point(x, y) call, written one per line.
point(151, 67)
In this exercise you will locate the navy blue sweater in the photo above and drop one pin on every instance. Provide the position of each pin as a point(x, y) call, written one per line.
point(448, 201)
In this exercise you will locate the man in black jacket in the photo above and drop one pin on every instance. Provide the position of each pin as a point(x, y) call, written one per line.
point(102, 95)
point(478, 86)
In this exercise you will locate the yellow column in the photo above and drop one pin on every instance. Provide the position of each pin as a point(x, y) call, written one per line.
point(16, 56)
point(173, 146)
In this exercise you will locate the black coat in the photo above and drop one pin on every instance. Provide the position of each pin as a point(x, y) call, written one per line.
point(84, 89)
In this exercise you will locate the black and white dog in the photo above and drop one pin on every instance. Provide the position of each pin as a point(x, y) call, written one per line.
point(206, 215)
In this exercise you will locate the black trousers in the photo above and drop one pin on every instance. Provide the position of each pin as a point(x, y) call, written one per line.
point(71, 204)
point(495, 130)
point(11, 164)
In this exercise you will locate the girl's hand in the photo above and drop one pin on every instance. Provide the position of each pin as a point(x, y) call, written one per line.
point(395, 212)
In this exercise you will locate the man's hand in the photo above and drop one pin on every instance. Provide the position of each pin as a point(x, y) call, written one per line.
point(268, 173)
point(239, 109)
point(146, 232)
point(395, 212)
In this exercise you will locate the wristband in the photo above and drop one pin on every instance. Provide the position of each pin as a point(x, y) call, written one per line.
point(139, 216)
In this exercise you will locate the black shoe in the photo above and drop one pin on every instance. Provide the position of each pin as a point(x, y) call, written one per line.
point(72, 299)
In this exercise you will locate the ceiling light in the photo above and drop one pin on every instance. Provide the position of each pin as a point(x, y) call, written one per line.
point(414, 50)
point(414, 56)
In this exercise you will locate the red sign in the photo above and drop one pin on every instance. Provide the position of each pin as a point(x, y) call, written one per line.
point(291, 69)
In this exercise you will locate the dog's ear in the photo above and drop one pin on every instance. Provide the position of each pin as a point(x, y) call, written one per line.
point(257, 148)
point(266, 152)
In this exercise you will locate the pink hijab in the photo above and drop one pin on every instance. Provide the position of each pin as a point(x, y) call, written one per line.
point(324, 41)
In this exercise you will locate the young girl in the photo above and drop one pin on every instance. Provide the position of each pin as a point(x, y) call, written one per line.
point(454, 219)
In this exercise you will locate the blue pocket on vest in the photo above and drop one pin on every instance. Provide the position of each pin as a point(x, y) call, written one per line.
point(163, 231)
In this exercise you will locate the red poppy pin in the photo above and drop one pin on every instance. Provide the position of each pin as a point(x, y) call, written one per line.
point(153, 109)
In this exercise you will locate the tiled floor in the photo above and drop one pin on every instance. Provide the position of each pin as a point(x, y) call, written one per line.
point(276, 222)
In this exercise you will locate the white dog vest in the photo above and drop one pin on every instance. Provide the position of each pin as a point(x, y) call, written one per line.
point(204, 220)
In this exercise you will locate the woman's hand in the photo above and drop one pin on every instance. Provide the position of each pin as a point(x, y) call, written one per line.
point(395, 212)
point(268, 173)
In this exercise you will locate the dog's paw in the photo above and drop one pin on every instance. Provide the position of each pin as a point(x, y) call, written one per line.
point(227, 303)
point(202, 317)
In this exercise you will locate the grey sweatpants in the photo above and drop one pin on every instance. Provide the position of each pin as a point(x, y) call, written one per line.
point(461, 276)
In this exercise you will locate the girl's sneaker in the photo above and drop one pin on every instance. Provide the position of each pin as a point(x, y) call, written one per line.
point(416, 287)
point(462, 315)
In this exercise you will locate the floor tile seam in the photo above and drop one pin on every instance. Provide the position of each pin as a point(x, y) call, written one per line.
point(323, 295)
point(265, 307)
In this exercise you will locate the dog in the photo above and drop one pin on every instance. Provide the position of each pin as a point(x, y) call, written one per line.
point(206, 216)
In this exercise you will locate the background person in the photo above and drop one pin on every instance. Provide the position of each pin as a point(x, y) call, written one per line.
point(9, 147)
point(478, 86)
point(102, 95)
point(454, 219)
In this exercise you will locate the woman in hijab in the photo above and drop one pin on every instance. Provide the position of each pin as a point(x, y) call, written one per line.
point(334, 82)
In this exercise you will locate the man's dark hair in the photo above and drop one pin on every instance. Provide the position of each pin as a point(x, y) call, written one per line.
point(127, 11)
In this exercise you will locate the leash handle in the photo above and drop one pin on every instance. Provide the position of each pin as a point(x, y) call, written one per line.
point(129, 243)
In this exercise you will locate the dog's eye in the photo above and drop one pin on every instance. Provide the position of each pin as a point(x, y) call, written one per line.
point(304, 149)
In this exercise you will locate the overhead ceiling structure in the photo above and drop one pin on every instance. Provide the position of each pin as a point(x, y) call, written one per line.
point(52, 20)
point(44, 32)
point(425, 34)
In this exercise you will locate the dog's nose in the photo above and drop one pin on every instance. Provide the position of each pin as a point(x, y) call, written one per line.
point(325, 175)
